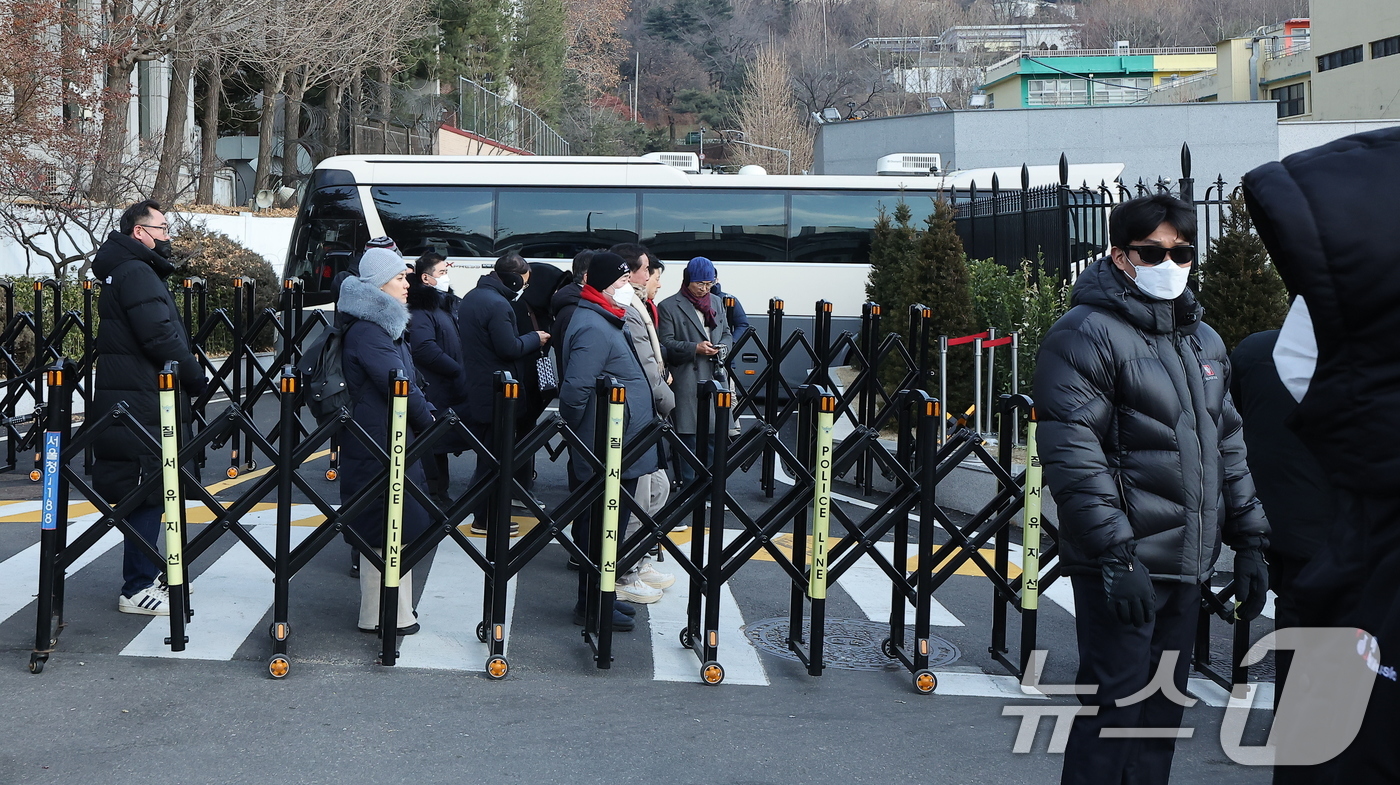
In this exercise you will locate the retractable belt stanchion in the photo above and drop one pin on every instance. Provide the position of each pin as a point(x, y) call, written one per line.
point(498, 532)
point(174, 507)
point(278, 665)
point(53, 519)
point(393, 524)
point(944, 343)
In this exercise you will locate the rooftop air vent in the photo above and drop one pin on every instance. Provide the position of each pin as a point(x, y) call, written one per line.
point(689, 162)
point(909, 164)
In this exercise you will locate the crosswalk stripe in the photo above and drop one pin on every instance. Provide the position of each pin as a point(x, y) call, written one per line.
point(234, 594)
point(19, 574)
point(670, 662)
point(449, 610)
point(869, 586)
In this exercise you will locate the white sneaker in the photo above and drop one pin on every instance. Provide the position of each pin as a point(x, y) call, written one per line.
point(648, 574)
point(637, 592)
point(153, 600)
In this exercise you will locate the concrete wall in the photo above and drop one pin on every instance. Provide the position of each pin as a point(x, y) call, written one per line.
point(1227, 139)
point(853, 146)
point(1294, 137)
point(1364, 90)
point(269, 237)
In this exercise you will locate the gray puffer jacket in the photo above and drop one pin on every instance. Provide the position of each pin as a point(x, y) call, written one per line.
point(1141, 443)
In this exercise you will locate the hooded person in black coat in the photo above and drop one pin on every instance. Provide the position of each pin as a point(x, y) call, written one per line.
point(1326, 216)
point(491, 342)
point(374, 305)
point(1143, 451)
point(141, 331)
point(437, 354)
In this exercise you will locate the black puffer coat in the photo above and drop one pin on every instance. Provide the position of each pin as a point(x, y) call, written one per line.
point(437, 346)
point(491, 341)
point(141, 331)
point(1141, 443)
point(1320, 213)
point(374, 350)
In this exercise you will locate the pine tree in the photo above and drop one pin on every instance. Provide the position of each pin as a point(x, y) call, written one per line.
point(1240, 289)
point(894, 263)
point(943, 285)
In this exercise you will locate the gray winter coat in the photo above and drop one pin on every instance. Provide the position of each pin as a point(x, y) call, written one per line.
point(598, 345)
point(639, 328)
point(682, 329)
point(1142, 446)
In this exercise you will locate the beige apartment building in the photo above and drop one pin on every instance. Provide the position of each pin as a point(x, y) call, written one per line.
point(1343, 64)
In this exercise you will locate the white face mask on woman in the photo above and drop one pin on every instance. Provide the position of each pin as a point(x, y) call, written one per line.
point(443, 284)
point(1165, 281)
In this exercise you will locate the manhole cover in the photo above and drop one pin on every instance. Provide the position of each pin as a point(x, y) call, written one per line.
point(850, 644)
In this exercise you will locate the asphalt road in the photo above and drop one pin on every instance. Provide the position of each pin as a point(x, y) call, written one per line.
point(110, 707)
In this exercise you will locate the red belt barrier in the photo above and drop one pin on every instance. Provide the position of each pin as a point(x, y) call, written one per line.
point(968, 338)
point(997, 342)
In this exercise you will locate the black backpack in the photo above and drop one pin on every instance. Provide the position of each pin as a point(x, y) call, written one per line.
point(323, 375)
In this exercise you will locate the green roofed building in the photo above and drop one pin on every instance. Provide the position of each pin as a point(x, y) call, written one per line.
point(1088, 77)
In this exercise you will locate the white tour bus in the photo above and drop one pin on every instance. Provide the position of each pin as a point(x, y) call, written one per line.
point(798, 238)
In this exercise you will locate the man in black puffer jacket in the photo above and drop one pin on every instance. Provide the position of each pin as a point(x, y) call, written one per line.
point(140, 332)
point(1143, 451)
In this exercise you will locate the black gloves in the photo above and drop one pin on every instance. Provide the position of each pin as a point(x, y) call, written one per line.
point(198, 389)
point(1251, 583)
point(1129, 588)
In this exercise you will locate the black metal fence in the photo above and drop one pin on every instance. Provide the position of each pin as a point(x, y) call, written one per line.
point(788, 428)
point(1066, 226)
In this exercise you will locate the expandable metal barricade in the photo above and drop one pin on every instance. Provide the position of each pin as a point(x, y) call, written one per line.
point(928, 449)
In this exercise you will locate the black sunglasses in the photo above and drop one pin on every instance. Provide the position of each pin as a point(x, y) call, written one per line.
point(1154, 254)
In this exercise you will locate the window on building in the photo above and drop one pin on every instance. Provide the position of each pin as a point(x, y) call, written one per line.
point(1340, 58)
point(145, 101)
point(1121, 91)
point(1290, 100)
point(1057, 92)
point(1385, 47)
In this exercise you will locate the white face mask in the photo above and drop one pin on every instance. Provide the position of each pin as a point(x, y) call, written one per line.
point(622, 295)
point(443, 284)
point(1165, 281)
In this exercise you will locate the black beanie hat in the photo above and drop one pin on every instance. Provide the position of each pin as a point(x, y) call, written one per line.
point(604, 270)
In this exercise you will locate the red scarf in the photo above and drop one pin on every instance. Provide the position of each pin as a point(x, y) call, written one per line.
point(702, 304)
point(598, 298)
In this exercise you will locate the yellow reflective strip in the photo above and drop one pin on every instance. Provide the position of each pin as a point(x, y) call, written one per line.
point(170, 475)
point(612, 495)
point(398, 446)
point(821, 508)
point(1030, 529)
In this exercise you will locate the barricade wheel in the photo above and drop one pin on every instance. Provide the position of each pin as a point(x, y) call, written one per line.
point(278, 666)
point(887, 648)
point(687, 640)
point(497, 668)
point(331, 474)
point(712, 672)
point(252, 465)
point(925, 682)
point(36, 663)
point(232, 472)
point(481, 631)
point(36, 475)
